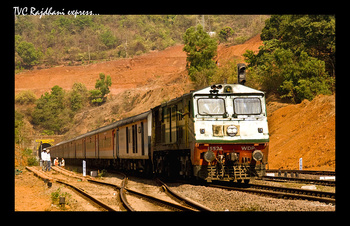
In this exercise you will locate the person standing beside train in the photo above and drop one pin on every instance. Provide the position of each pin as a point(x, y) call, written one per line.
point(43, 158)
point(62, 163)
point(55, 162)
point(48, 160)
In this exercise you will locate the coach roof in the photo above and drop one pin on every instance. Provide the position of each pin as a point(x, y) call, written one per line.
point(110, 126)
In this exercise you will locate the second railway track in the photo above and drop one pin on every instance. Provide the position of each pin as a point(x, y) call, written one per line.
point(284, 193)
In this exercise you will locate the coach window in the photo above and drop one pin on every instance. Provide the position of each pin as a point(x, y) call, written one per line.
point(134, 139)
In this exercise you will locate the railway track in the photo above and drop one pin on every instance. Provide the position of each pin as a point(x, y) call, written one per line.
point(300, 180)
point(321, 194)
point(124, 192)
point(80, 191)
point(282, 192)
point(311, 172)
point(183, 199)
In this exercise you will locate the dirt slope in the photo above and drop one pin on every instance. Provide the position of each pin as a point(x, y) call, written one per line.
point(236, 51)
point(125, 73)
point(305, 130)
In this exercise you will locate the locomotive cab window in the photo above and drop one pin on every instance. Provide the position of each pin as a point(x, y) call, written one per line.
point(247, 106)
point(211, 106)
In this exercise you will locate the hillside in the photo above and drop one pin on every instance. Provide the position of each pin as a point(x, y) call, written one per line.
point(69, 40)
point(305, 130)
point(148, 69)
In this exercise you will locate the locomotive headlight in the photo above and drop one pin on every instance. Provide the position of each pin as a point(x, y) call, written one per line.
point(258, 155)
point(232, 130)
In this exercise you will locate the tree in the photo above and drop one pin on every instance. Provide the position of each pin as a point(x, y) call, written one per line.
point(200, 50)
point(52, 112)
point(30, 56)
point(292, 76)
point(313, 34)
point(78, 96)
point(225, 33)
point(98, 95)
point(297, 56)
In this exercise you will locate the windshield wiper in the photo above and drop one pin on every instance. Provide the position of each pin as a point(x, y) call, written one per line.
point(206, 113)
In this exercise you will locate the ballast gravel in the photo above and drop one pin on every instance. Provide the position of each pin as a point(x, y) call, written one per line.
point(224, 200)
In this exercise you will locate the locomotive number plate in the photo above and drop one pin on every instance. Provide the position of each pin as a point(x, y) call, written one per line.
point(215, 148)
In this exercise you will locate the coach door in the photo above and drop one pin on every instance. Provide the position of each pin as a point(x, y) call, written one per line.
point(142, 139)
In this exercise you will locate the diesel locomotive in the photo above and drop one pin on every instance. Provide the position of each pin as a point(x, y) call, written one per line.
point(216, 133)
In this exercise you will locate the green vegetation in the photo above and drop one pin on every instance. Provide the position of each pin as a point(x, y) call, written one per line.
point(98, 95)
point(26, 54)
point(297, 60)
point(200, 50)
point(24, 156)
point(54, 111)
point(53, 40)
point(18, 127)
point(25, 97)
point(55, 196)
point(78, 97)
point(225, 34)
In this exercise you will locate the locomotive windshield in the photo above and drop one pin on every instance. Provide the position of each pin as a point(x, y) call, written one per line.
point(211, 106)
point(247, 106)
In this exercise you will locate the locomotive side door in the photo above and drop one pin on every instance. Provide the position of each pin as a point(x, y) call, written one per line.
point(173, 124)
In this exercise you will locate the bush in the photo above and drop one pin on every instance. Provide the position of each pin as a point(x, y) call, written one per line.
point(25, 97)
point(98, 95)
point(55, 196)
point(108, 39)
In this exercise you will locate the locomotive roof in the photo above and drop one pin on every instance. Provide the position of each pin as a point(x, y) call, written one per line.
point(237, 89)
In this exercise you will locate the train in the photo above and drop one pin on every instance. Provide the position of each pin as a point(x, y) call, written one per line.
point(218, 133)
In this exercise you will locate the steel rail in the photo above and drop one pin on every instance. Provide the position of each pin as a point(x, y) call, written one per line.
point(79, 190)
point(184, 199)
point(294, 190)
point(123, 190)
point(313, 172)
point(276, 194)
point(300, 180)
